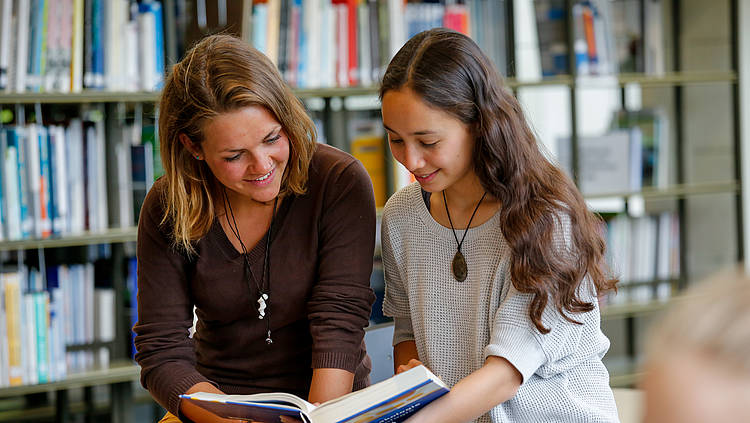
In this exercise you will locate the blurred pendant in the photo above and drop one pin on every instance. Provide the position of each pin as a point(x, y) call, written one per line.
point(459, 267)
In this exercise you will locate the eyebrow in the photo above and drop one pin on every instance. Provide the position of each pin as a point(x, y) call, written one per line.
point(422, 132)
point(236, 150)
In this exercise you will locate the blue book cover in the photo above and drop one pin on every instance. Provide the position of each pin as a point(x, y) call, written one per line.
point(132, 287)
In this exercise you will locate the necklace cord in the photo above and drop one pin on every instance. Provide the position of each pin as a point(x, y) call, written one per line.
point(234, 228)
point(445, 202)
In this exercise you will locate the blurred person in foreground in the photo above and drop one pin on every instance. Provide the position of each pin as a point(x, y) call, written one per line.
point(698, 366)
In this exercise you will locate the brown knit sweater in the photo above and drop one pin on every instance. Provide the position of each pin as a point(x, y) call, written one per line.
point(320, 297)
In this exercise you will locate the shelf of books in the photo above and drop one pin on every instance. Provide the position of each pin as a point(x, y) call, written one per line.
point(77, 178)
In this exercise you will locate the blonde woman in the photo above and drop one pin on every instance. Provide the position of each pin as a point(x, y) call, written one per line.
point(698, 367)
point(268, 234)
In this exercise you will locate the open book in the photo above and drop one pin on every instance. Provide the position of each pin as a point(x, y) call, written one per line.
point(392, 400)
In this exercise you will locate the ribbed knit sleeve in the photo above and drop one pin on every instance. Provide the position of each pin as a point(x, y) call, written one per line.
point(341, 301)
point(395, 302)
point(165, 311)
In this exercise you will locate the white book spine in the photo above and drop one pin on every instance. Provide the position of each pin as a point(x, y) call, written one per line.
point(76, 174)
point(101, 178)
point(31, 373)
point(33, 172)
point(76, 54)
point(342, 42)
point(4, 344)
point(61, 222)
point(104, 322)
point(147, 56)
point(6, 19)
point(22, 45)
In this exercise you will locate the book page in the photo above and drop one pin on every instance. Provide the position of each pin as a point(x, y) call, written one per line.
point(268, 407)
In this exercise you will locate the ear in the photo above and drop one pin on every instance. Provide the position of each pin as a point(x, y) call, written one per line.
point(195, 150)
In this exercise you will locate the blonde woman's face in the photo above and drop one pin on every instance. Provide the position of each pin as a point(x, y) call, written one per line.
point(247, 151)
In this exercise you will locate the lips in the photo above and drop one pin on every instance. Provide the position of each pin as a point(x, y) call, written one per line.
point(425, 178)
point(265, 179)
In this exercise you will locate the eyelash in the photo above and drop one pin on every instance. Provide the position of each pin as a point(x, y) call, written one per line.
point(399, 141)
point(268, 141)
point(273, 140)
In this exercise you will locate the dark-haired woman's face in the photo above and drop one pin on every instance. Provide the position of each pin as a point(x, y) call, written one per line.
point(433, 145)
point(247, 151)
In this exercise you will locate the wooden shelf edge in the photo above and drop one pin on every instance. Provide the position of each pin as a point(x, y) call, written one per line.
point(625, 380)
point(628, 310)
point(117, 373)
point(678, 190)
point(672, 78)
point(86, 238)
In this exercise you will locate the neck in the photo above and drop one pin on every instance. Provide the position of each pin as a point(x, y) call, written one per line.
point(465, 194)
point(242, 205)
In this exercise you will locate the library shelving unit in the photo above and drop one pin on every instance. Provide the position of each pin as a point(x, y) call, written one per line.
point(686, 77)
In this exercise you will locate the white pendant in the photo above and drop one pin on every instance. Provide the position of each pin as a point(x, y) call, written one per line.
point(262, 306)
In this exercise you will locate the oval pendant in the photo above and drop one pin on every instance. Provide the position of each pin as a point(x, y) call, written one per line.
point(459, 267)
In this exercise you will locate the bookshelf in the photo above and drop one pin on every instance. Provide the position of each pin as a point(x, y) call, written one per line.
point(683, 191)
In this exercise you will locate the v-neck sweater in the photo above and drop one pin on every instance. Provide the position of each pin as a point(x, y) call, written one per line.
point(319, 293)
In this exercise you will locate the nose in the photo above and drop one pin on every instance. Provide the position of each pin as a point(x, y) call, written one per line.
point(412, 158)
point(259, 164)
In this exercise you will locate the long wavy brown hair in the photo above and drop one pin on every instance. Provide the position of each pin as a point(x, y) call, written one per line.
point(221, 74)
point(450, 72)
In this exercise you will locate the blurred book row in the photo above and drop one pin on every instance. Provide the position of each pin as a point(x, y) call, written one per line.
point(56, 323)
point(645, 254)
point(66, 179)
point(119, 45)
point(609, 37)
point(633, 154)
point(71, 45)
point(328, 43)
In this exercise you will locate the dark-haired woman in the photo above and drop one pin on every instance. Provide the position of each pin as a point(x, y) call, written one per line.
point(492, 260)
point(267, 234)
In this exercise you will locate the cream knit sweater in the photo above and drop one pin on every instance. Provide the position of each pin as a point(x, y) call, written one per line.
point(456, 325)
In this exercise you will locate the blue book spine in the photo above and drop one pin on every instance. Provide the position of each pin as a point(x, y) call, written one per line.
point(159, 38)
point(97, 32)
point(302, 48)
point(42, 327)
point(46, 178)
point(132, 283)
point(23, 183)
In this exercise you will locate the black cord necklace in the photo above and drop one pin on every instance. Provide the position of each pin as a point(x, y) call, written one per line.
point(264, 287)
point(458, 266)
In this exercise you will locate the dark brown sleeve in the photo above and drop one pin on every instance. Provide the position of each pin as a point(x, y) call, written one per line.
point(341, 301)
point(165, 312)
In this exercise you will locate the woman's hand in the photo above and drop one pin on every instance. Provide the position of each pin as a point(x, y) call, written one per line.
point(410, 365)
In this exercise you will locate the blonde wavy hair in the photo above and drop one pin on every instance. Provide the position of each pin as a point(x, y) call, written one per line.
point(221, 74)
